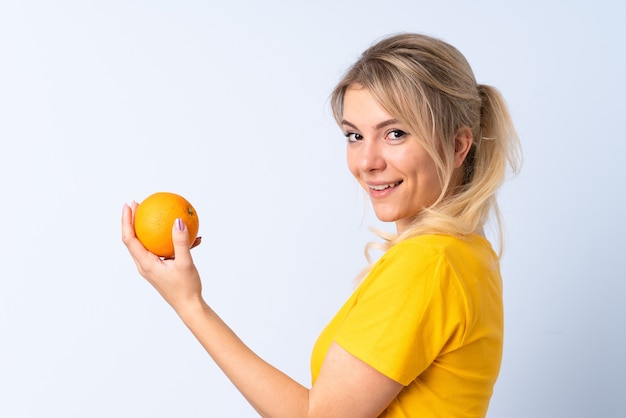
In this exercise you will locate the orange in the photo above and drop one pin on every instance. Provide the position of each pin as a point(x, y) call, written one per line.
point(154, 219)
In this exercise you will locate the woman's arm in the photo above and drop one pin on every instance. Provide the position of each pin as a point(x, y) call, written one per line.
point(346, 386)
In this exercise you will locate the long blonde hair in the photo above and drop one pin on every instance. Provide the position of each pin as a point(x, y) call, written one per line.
point(429, 86)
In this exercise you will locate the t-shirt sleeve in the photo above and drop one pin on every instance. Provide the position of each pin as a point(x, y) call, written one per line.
point(409, 310)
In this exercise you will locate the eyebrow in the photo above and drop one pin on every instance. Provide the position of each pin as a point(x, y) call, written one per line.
point(380, 125)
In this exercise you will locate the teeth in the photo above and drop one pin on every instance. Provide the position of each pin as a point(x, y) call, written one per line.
point(384, 186)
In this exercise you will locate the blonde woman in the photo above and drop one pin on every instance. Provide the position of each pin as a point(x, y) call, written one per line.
point(421, 336)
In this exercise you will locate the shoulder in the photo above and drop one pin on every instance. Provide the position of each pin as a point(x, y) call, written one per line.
point(425, 247)
point(433, 258)
point(438, 243)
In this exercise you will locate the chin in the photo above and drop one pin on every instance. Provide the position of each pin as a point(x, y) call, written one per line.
point(386, 217)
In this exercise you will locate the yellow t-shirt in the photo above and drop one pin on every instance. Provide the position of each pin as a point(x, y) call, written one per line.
point(429, 315)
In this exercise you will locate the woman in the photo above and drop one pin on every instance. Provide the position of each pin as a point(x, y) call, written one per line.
point(422, 334)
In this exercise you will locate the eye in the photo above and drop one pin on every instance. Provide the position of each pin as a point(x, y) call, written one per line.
point(395, 135)
point(353, 136)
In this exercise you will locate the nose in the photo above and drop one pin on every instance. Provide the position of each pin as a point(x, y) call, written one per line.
point(370, 156)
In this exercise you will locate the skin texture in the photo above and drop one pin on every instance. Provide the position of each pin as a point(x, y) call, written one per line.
point(378, 154)
point(381, 152)
point(346, 387)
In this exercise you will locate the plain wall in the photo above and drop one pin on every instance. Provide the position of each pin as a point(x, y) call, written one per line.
point(226, 103)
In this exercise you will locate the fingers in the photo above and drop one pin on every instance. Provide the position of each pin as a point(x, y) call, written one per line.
point(180, 239)
point(141, 256)
point(196, 242)
point(176, 279)
point(138, 252)
point(128, 231)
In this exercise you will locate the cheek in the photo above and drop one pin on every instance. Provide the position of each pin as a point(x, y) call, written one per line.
point(352, 165)
point(432, 184)
point(426, 178)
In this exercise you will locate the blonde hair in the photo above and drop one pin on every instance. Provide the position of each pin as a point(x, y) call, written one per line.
point(429, 86)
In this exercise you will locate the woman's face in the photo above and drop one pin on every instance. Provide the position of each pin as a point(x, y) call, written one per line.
point(387, 160)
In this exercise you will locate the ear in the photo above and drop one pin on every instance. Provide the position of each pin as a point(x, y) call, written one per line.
point(462, 144)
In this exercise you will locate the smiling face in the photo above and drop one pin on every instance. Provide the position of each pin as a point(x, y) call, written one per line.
point(387, 160)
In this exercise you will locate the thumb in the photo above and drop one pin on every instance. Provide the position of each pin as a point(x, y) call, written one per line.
point(180, 239)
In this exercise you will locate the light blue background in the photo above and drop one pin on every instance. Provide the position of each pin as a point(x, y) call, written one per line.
point(226, 103)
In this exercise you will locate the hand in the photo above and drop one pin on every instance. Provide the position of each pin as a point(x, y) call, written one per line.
point(194, 244)
point(176, 279)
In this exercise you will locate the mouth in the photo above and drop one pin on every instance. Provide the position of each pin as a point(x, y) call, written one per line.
point(381, 187)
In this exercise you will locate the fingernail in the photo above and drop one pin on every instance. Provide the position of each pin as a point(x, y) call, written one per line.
point(180, 224)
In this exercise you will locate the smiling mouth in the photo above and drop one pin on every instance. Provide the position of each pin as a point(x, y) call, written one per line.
point(384, 186)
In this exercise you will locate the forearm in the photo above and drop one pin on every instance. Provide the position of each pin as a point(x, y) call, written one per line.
point(269, 391)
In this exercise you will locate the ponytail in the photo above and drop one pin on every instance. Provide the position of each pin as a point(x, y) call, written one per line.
point(429, 85)
point(496, 126)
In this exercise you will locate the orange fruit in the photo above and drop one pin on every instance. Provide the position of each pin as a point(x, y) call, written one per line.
point(154, 219)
